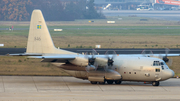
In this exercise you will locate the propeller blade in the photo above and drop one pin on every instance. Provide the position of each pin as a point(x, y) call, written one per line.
point(167, 51)
point(151, 54)
point(114, 54)
point(105, 68)
point(90, 68)
point(86, 55)
point(144, 53)
point(160, 56)
point(170, 62)
point(94, 52)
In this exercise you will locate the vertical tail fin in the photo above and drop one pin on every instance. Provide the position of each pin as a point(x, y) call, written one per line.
point(39, 39)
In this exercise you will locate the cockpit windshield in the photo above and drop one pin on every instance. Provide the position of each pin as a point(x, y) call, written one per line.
point(156, 63)
point(162, 63)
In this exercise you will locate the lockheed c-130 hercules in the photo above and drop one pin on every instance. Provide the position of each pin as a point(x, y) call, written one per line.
point(95, 68)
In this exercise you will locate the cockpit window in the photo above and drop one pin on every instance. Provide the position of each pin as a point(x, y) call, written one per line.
point(156, 63)
point(162, 67)
point(157, 70)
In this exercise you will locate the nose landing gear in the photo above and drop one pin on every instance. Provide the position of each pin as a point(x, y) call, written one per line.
point(155, 83)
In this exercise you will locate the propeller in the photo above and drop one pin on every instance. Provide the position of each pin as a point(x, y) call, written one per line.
point(165, 57)
point(97, 62)
point(170, 62)
point(110, 57)
point(167, 60)
point(151, 54)
point(91, 68)
point(144, 53)
point(91, 61)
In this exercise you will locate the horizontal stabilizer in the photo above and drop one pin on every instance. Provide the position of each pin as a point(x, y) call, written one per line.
point(24, 54)
point(59, 59)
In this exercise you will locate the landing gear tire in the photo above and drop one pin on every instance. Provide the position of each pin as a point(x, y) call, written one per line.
point(93, 82)
point(155, 83)
point(118, 82)
point(102, 83)
point(110, 81)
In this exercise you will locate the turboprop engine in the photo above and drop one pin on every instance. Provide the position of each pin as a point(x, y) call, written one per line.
point(101, 61)
point(82, 61)
point(98, 69)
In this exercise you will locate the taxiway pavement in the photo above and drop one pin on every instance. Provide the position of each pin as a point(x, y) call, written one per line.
point(45, 88)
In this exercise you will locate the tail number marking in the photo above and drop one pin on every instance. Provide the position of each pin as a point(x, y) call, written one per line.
point(37, 38)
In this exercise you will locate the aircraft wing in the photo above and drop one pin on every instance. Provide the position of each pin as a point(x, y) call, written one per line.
point(150, 55)
point(64, 58)
point(168, 55)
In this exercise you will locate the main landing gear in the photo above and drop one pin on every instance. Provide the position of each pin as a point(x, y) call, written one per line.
point(155, 83)
point(108, 81)
point(93, 82)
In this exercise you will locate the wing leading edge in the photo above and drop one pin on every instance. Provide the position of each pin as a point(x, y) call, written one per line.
point(64, 58)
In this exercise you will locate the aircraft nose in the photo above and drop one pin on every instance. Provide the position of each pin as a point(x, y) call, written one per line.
point(168, 74)
point(172, 73)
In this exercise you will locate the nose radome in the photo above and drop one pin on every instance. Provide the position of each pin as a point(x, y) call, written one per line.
point(172, 73)
point(168, 73)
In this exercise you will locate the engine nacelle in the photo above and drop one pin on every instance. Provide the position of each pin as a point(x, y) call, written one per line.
point(101, 61)
point(79, 61)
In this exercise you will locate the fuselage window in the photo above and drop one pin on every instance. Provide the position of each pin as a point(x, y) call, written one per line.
point(157, 70)
point(129, 72)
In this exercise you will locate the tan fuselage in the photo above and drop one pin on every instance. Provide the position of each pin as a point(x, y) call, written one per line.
point(129, 68)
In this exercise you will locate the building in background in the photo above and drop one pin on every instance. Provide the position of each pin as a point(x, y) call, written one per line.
point(167, 4)
point(137, 4)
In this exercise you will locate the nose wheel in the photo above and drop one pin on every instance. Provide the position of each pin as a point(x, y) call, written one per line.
point(155, 83)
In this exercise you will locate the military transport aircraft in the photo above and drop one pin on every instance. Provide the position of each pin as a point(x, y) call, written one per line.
point(95, 68)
